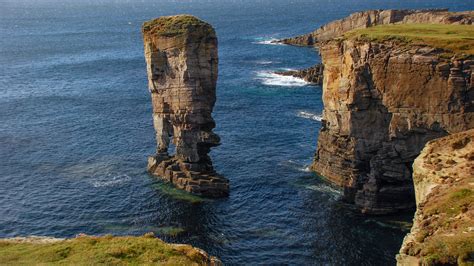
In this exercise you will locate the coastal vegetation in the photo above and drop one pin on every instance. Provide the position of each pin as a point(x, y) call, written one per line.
point(453, 39)
point(92, 250)
point(170, 26)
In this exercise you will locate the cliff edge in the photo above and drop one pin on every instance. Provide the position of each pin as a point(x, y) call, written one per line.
point(371, 18)
point(181, 57)
point(388, 90)
point(443, 228)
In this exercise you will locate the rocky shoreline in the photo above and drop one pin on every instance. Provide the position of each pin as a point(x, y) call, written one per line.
point(312, 74)
point(374, 122)
point(386, 94)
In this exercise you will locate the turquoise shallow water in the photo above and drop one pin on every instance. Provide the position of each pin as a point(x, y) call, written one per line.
point(76, 128)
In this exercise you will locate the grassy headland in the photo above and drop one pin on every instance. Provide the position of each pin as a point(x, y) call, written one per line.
point(453, 39)
point(91, 250)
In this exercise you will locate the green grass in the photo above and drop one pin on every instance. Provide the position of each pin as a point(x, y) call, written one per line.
point(449, 250)
point(88, 250)
point(171, 26)
point(453, 39)
point(451, 203)
point(445, 238)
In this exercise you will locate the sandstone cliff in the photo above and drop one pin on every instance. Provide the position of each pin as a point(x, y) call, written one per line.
point(367, 19)
point(383, 100)
point(181, 56)
point(372, 18)
point(443, 228)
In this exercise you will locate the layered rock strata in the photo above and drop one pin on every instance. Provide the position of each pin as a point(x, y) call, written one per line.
point(366, 19)
point(181, 57)
point(372, 18)
point(443, 227)
point(382, 102)
point(312, 74)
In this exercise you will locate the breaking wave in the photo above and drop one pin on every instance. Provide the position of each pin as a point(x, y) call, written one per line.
point(267, 41)
point(271, 79)
point(109, 180)
point(309, 115)
point(296, 165)
point(335, 194)
point(264, 62)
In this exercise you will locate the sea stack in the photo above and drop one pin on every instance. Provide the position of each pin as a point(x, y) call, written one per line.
point(181, 57)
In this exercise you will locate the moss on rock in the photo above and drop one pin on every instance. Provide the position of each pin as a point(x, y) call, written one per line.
point(170, 26)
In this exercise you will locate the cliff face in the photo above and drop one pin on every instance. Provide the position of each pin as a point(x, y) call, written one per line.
point(372, 18)
point(382, 102)
point(443, 228)
point(181, 56)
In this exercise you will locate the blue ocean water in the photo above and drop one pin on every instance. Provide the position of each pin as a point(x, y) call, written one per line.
point(76, 128)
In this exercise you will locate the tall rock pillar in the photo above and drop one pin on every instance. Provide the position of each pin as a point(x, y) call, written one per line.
point(181, 57)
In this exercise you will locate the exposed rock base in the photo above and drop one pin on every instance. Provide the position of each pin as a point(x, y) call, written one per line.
point(443, 228)
point(181, 56)
point(312, 74)
point(382, 103)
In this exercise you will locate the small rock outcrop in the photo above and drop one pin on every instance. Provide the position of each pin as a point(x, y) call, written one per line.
point(383, 100)
point(443, 227)
point(372, 18)
point(182, 60)
point(312, 74)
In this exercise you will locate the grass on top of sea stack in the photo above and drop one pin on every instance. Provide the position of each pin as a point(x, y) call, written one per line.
point(453, 39)
point(170, 26)
point(91, 250)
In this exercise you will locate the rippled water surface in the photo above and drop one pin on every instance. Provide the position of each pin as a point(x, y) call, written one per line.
point(76, 128)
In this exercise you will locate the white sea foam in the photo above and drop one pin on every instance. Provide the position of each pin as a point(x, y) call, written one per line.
point(271, 79)
point(110, 179)
point(325, 189)
point(297, 166)
point(267, 41)
point(309, 115)
point(264, 62)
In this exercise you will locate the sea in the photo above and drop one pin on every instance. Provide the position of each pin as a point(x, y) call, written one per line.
point(76, 130)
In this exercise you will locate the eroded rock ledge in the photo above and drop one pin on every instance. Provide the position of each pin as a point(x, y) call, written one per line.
point(443, 228)
point(312, 74)
point(181, 56)
point(383, 100)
